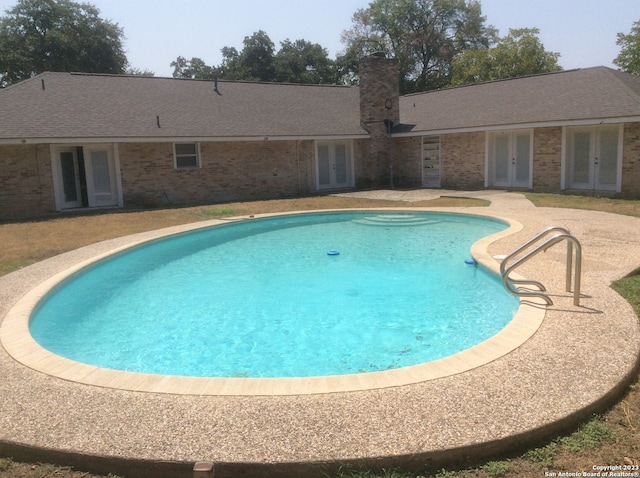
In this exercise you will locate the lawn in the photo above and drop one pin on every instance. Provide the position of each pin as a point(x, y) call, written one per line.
point(610, 439)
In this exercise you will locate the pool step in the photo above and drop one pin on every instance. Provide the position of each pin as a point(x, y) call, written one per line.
point(395, 220)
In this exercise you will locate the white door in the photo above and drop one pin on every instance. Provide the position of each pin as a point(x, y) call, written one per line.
point(431, 162)
point(510, 159)
point(593, 158)
point(334, 167)
point(69, 190)
point(85, 176)
point(101, 176)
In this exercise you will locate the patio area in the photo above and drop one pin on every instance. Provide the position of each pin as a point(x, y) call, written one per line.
point(577, 362)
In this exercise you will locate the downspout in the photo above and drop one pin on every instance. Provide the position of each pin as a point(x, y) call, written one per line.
point(389, 125)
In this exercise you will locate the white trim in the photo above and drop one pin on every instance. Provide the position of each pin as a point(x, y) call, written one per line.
point(487, 150)
point(620, 157)
point(509, 127)
point(350, 165)
point(563, 160)
point(198, 155)
point(565, 181)
point(116, 159)
point(489, 166)
point(54, 151)
point(177, 139)
point(423, 178)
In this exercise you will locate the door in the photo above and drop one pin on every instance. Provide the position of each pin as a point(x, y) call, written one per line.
point(85, 177)
point(510, 159)
point(68, 180)
point(593, 158)
point(334, 165)
point(431, 162)
point(101, 176)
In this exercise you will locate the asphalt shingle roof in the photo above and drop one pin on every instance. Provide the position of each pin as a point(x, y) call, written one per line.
point(104, 106)
point(84, 106)
point(572, 95)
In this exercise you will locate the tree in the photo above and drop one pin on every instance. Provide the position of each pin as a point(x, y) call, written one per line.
point(629, 58)
point(303, 62)
point(58, 35)
point(424, 35)
point(296, 62)
point(254, 63)
point(518, 54)
point(193, 69)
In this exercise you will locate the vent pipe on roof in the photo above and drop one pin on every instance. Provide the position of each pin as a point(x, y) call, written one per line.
point(158, 121)
point(42, 80)
point(215, 85)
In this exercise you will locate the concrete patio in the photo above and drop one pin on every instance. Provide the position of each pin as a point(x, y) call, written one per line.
point(578, 361)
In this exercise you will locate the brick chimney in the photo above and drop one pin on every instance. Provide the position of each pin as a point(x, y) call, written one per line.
point(379, 90)
point(379, 109)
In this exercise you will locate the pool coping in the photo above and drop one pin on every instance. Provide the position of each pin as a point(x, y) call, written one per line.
point(17, 340)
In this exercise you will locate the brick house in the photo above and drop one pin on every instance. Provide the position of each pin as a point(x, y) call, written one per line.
point(74, 141)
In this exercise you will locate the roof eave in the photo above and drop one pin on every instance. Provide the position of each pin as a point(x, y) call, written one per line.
point(510, 126)
point(177, 139)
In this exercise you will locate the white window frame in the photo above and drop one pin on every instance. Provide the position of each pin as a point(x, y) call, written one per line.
point(489, 165)
point(177, 157)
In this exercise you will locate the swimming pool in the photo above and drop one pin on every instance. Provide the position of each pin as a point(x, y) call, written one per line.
point(263, 298)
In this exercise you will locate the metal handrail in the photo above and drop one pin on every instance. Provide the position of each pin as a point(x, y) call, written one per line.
point(564, 235)
point(529, 242)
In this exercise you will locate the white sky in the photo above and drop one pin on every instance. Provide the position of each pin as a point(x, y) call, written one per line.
point(158, 31)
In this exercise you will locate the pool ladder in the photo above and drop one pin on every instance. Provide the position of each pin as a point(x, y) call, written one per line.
point(522, 287)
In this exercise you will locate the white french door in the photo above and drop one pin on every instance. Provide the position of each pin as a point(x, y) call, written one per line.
point(334, 165)
point(510, 159)
point(101, 176)
point(593, 158)
point(85, 177)
point(69, 189)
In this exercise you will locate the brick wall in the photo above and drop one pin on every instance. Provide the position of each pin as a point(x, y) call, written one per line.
point(229, 171)
point(462, 158)
point(547, 157)
point(26, 184)
point(271, 169)
point(407, 162)
point(631, 161)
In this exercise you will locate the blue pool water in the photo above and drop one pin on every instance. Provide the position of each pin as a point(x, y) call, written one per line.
point(263, 298)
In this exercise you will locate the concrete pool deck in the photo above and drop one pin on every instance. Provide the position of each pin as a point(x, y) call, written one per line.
point(578, 361)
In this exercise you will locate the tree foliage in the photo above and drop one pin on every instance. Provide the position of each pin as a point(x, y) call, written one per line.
point(57, 35)
point(629, 57)
point(303, 62)
point(194, 68)
point(296, 62)
point(424, 35)
point(518, 54)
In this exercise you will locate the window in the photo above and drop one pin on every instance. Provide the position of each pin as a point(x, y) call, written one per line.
point(186, 155)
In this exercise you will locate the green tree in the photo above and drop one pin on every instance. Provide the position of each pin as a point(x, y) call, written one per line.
point(303, 62)
point(193, 69)
point(424, 35)
point(296, 62)
point(254, 63)
point(518, 54)
point(58, 35)
point(629, 58)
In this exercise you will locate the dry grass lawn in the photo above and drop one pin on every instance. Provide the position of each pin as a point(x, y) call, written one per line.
point(24, 243)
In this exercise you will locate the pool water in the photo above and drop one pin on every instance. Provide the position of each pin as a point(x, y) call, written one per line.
point(263, 298)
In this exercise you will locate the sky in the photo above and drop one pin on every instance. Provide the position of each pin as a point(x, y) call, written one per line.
point(583, 32)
